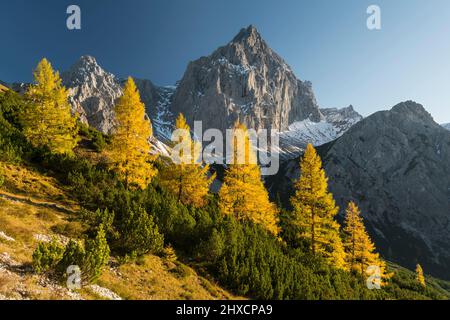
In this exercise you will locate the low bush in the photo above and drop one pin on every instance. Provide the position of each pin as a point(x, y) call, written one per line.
point(47, 256)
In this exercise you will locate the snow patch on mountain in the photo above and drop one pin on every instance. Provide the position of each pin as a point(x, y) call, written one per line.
point(164, 119)
point(301, 133)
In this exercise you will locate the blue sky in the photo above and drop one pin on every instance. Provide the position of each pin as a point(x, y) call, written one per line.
point(326, 42)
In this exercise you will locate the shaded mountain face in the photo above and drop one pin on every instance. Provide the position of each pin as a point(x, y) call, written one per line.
point(446, 126)
point(396, 166)
point(244, 80)
point(157, 101)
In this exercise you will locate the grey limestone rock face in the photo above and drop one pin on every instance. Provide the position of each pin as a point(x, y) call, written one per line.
point(93, 93)
point(244, 80)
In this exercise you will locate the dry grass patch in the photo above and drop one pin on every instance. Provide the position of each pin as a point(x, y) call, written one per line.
point(24, 181)
point(22, 222)
point(153, 278)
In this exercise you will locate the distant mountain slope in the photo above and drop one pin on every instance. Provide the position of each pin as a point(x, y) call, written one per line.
point(446, 126)
point(396, 165)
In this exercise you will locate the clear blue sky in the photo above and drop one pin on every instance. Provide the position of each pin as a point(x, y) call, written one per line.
point(324, 41)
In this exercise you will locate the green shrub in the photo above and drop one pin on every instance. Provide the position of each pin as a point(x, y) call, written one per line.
point(104, 218)
point(98, 140)
point(139, 234)
point(73, 255)
point(12, 142)
point(95, 188)
point(53, 257)
point(47, 256)
point(96, 256)
point(213, 248)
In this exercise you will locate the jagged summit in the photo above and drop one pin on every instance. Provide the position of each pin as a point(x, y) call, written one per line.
point(250, 49)
point(88, 59)
point(86, 69)
point(247, 34)
point(244, 80)
point(93, 92)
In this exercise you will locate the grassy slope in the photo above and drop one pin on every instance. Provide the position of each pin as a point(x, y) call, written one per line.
point(406, 280)
point(33, 205)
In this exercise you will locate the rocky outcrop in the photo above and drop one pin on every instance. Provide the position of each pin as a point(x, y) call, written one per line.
point(341, 119)
point(244, 80)
point(396, 165)
point(93, 93)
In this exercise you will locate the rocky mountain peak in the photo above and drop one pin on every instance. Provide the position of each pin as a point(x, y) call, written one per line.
point(87, 60)
point(249, 49)
point(249, 36)
point(413, 111)
point(86, 69)
point(334, 115)
point(92, 92)
point(244, 80)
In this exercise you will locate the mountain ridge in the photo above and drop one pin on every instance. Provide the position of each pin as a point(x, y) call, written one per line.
point(394, 165)
point(93, 92)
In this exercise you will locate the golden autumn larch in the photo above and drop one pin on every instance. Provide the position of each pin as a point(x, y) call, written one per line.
point(315, 210)
point(359, 247)
point(47, 121)
point(129, 154)
point(186, 177)
point(243, 194)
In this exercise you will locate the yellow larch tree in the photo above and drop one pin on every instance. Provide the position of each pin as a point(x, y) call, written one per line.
point(360, 250)
point(419, 275)
point(186, 177)
point(129, 154)
point(315, 210)
point(47, 121)
point(243, 193)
